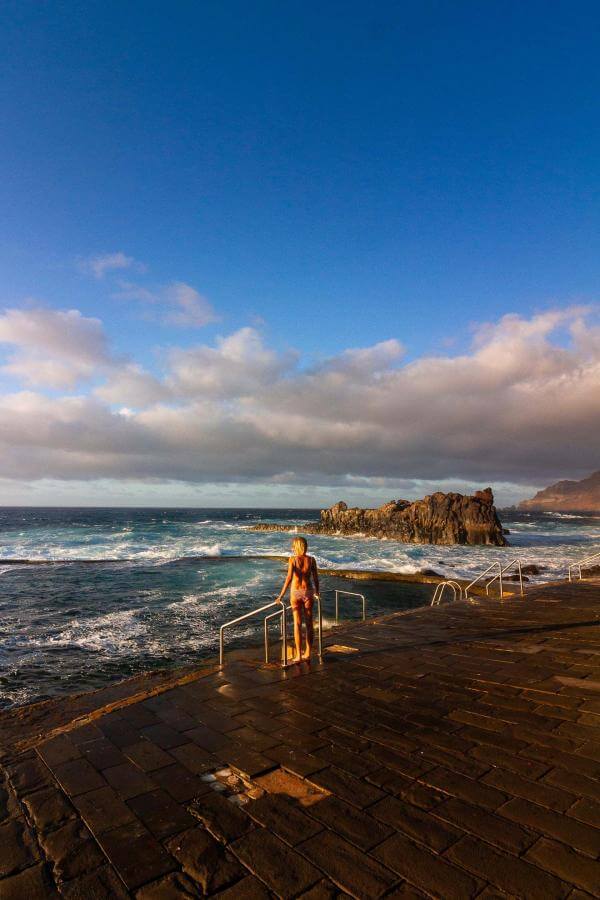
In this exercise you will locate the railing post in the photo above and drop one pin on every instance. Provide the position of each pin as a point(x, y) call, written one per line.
point(266, 639)
point(320, 629)
point(337, 613)
point(501, 587)
point(284, 636)
point(520, 577)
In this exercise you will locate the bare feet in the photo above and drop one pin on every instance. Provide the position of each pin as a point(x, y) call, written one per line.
point(297, 659)
point(305, 655)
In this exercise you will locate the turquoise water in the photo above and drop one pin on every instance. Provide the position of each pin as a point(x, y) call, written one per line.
point(159, 583)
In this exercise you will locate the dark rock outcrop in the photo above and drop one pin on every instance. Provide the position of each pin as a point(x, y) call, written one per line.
point(567, 496)
point(436, 519)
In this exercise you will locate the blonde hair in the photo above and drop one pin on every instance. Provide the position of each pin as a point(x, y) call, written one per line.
point(299, 546)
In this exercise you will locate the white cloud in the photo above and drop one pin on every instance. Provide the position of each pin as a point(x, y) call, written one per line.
point(53, 348)
point(132, 385)
point(239, 366)
point(189, 307)
point(98, 266)
point(177, 303)
point(522, 406)
point(364, 361)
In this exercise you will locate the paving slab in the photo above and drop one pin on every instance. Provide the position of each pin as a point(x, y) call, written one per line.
point(282, 869)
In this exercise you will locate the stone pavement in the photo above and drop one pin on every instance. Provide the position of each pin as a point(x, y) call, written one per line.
point(451, 752)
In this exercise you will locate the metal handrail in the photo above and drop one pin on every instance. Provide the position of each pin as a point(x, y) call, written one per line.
point(349, 594)
point(249, 615)
point(581, 563)
point(273, 615)
point(278, 612)
point(504, 569)
point(441, 587)
point(483, 574)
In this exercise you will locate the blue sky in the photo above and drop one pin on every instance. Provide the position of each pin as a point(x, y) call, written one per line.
point(331, 176)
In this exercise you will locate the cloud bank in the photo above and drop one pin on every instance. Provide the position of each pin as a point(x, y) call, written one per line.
point(521, 406)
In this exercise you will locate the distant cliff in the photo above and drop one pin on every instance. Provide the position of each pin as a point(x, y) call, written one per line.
point(437, 519)
point(567, 495)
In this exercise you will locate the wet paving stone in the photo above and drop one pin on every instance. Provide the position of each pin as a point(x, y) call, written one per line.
point(282, 869)
point(28, 776)
point(58, 750)
point(415, 823)
point(248, 762)
point(160, 813)
point(175, 886)
point(355, 825)
point(179, 782)
point(281, 817)
point(427, 871)
point(136, 855)
point(33, 883)
point(163, 735)
point(103, 809)
point(78, 777)
point(249, 888)
point(17, 849)
point(205, 860)
point(491, 827)
point(147, 756)
point(194, 758)
point(302, 764)
point(128, 781)
point(567, 864)
point(583, 837)
point(349, 868)
point(102, 754)
point(346, 787)
point(48, 808)
point(71, 850)
point(119, 732)
point(101, 884)
point(225, 821)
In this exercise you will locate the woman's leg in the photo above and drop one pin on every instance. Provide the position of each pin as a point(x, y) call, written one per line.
point(309, 629)
point(297, 609)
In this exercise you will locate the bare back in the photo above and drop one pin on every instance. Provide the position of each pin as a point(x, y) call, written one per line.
point(303, 570)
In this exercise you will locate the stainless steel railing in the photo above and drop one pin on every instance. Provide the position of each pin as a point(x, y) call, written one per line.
point(499, 576)
point(581, 563)
point(255, 612)
point(349, 594)
point(283, 623)
point(503, 569)
point(483, 574)
point(441, 587)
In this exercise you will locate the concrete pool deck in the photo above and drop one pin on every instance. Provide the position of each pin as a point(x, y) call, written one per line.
point(451, 752)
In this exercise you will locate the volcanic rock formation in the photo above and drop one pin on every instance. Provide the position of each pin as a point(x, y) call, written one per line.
point(436, 519)
point(579, 496)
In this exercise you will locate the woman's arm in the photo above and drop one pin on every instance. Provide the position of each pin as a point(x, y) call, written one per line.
point(315, 575)
point(286, 583)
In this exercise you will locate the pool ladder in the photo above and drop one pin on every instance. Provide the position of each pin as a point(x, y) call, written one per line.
point(464, 592)
point(581, 563)
point(280, 613)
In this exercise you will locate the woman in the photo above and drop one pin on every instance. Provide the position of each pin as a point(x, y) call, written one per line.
point(302, 575)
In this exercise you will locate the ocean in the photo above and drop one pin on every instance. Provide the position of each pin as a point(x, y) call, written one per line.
point(100, 594)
